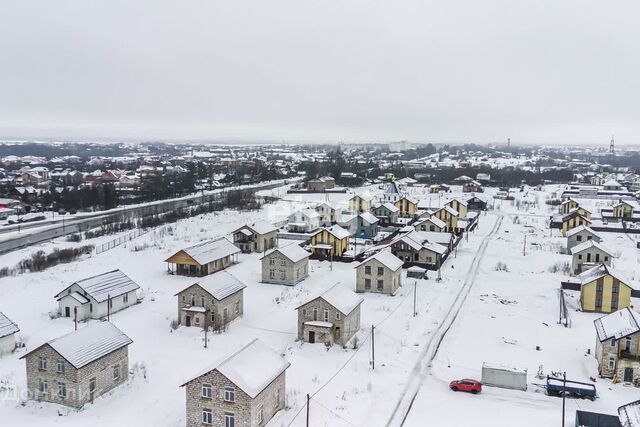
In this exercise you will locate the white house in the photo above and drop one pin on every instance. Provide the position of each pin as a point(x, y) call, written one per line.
point(98, 296)
point(329, 214)
point(303, 221)
point(589, 254)
point(8, 330)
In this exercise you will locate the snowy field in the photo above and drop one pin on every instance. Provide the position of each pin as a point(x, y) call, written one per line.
point(505, 315)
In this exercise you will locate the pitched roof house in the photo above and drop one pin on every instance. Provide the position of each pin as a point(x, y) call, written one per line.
point(617, 352)
point(8, 330)
point(330, 242)
point(589, 254)
point(381, 272)
point(303, 221)
point(257, 237)
point(387, 213)
point(604, 290)
point(203, 258)
point(581, 234)
point(286, 265)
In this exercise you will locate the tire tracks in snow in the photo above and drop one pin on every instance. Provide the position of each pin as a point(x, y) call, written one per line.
point(423, 365)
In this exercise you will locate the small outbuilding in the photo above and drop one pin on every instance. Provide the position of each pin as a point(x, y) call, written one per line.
point(504, 377)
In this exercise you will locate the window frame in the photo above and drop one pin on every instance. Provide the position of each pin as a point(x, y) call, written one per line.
point(229, 394)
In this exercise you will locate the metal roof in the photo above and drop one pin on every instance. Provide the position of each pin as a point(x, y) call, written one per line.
point(7, 327)
point(100, 287)
point(211, 250)
point(293, 252)
point(221, 284)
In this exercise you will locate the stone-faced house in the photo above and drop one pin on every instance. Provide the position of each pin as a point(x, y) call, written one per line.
point(414, 250)
point(604, 290)
point(431, 223)
point(617, 345)
point(329, 214)
point(303, 221)
point(204, 258)
point(320, 185)
point(460, 206)
point(573, 220)
point(568, 205)
point(363, 225)
point(212, 301)
point(245, 390)
point(581, 234)
point(330, 242)
point(98, 296)
point(589, 254)
point(8, 331)
point(257, 237)
point(624, 210)
point(360, 203)
point(449, 216)
point(408, 206)
point(387, 213)
point(381, 272)
point(331, 317)
point(78, 367)
point(287, 265)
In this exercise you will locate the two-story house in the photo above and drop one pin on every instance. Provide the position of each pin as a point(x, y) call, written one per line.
point(387, 213)
point(360, 203)
point(330, 242)
point(581, 234)
point(257, 237)
point(618, 345)
point(589, 254)
point(303, 221)
point(431, 223)
point(603, 290)
point(407, 205)
point(286, 265)
point(329, 214)
point(363, 225)
point(381, 273)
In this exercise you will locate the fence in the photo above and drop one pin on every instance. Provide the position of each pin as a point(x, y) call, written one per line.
point(120, 240)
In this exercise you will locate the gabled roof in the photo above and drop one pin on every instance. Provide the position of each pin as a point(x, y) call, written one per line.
point(462, 202)
point(365, 197)
point(618, 324)
point(432, 219)
point(450, 210)
point(88, 344)
point(588, 245)
point(344, 300)
point(259, 227)
point(292, 252)
point(629, 414)
point(369, 217)
point(335, 230)
point(611, 183)
point(7, 327)
point(580, 229)
point(570, 200)
point(392, 188)
point(431, 236)
point(110, 284)
point(600, 271)
point(386, 258)
point(219, 285)
point(408, 199)
point(252, 368)
point(573, 213)
point(579, 209)
point(210, 250)
point(389, 206)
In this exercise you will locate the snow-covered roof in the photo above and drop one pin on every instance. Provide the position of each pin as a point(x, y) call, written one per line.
point(386, 258)
point(252, 368)
point(588, 245)
point(611, 183)
point(211, 250)
point(7, 327)
point(462, 202)
point(431, 236)
point(110, 284)
point(293, 252)
point(629, 414)
point(259, 227)
point(369, 217)
point(618, 324)
point(221, 284)
point(89, 344)
point(365, 197)
point(581, 228)
point(390, 207)
point(601, 271)
point(308, 212)
point(337, 232)
point(344, 300)
point(434, 220)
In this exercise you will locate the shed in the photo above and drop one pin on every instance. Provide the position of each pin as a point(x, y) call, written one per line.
point(504, 377)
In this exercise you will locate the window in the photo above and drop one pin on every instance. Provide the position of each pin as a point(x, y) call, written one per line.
point(315, 314)
point(598, 302)
point(615, 288)
point(272, 274)
point(237, 307)
point(367, 283)
point(196, 320)
point(304, 312)
point(125, 298)
point(184, 298)
point(612, 362)
point(599, 287)
point(91, 308)
point(259, 414)
point(43, 386)
point(614, 304)
point(229, 419)
point(326, 315)
point(627, 344)
point(606, 258)
point(283, 262)
point(229, 394)
point(60, 367)
point(337, 315)
point(206, 390)
point(43, 364)
point(62, 390)
point(613, 342)
point(380, 271)
point(380, 284)
point(579, 238)
point(213, 316)
point(193, 299)
point(283, 275)
point(367, 269)
point(116, 372)
point(272, 261)
point(207, 416)
point(201, 300)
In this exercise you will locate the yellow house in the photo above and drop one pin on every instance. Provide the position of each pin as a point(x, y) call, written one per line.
point(449, 216)
point(460, 206)
point(623, 210)
point(603, 290)
point(408, 207)
point(330, 242)
point(568, 205)
point(573, 220)
point(597, 180)
point(360, 204)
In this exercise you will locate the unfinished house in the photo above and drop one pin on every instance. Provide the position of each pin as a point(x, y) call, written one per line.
point(431, 223)
point(97, 297)
point(77, 368)
point(387, 213)
point(360, 203)
point(8, 331)
point(211, 302)
point(331, 317)
point(618, 345)
point(603, 290)
point(624, 210)
point(328, 243)
point(245, 390)
point(407, 205)
point(287, 265)
point(589, 254)
point(303, 221)
point(579, 235)
point(257, 237)
point(449, 216)
point(573, 220)
point(363, 225)
point(568, 205)
point(380, 273)
point(204, 258)
point(329, 214)
point(320, 185)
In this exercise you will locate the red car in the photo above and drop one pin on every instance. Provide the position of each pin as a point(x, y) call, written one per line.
point(471, 386)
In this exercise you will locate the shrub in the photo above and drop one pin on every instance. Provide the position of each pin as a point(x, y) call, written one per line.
point(501, 266)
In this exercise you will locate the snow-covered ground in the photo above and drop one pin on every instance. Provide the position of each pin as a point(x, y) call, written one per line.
point(504, 317)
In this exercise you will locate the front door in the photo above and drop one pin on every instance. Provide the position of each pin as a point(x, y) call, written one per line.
point(67, 311)
point(187, 320)
point(628, 375)
point(312, 337)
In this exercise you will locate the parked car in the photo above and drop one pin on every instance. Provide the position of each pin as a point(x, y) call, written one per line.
point(470, 386)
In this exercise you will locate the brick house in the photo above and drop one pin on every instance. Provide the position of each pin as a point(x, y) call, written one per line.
point(381, 272)
point(76, 368)
point(618, 345)
point(245, 390)
point(204, 258)
point(589, 254)
point(331, 317)
point(98, 296)
point(8, 331)
point(285, 266)
point(212, 301)
point(257, 237)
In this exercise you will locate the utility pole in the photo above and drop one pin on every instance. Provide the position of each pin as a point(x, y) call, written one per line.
point(524, 246)
point(206, 328)
point(308, 399)
point(373, 348)
point(564, 394)
point(439, 278)
point(75, 318)
point(415, 291)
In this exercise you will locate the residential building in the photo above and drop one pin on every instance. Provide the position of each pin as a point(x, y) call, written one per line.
point(568, 205)
point(303, 221)
point(589, 254)
point(597, 180)
point(604, 290)
point(98, 296)
point(257, 237)
point(449, 216)
point(573, 220)
point(624, 210)
point(80, 366)
point(460, 206)
point(245, 390)
point(381, 273)
point(287, 265)
point(407, 205)
point(431, 223)
point(329, 214)
point(363, 225)
point(204, 258)
point(320, 185)
point(360, 203)
point(472, 187)
point(387, 213)
point(331, 317)
point(392, 192)
point(581, 234)
point(414, 249)
point(8, 331)
point(330, 242)
point(212, 301)
point(618, 345)
point(629, 414)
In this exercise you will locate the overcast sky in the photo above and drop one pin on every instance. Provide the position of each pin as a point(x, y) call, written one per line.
point(538, 71)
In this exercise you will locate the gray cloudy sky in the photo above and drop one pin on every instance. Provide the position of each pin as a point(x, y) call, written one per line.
point(544, 71)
